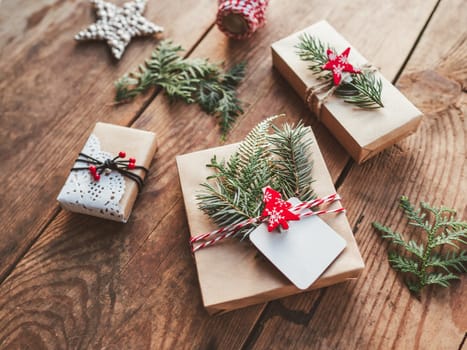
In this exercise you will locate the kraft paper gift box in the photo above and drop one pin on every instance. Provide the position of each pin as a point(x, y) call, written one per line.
point(113, 195)
point(363, 133)
point(233, 274)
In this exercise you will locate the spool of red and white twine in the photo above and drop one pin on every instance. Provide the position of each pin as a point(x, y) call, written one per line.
point(239, 19)
point(210, 238)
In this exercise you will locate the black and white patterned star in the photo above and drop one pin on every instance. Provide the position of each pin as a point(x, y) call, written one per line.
point(117, 25)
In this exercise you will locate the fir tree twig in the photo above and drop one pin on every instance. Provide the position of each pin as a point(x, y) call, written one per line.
point(190, 80)
point(426, 262)
point(292, 165)
point(362, 89)
point(313, 50)
point(281, 160)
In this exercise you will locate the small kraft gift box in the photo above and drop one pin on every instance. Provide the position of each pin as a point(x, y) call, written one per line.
point(109, 172)
point(235, 273)
point(363, 132)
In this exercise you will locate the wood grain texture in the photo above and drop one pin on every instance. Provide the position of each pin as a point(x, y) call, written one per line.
point(266, 93)
point(87, 283)
point(53, 91)
point(377, 311)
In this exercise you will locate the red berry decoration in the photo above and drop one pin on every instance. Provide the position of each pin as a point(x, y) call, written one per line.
point(92, 169)
point(96, 176)
point(132, 160)
point(131, 165)
point(122, 154)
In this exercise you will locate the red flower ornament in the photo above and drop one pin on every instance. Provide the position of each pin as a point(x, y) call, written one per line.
point(339, 64)
point(277, 210)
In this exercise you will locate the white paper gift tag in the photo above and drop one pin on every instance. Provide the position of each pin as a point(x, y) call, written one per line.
point(303, 252)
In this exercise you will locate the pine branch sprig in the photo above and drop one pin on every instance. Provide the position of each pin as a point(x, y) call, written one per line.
point(428, 262)
point(217, 95)
point(362, 89)
point(256, 141)
point(231, 200)
point(313, 50)
point(234, 192)
point(190, 80)
point(293, 169)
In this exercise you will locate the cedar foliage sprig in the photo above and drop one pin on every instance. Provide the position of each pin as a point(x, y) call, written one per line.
point(424, 262)
point(363, 89)
point(190, 80)
point(280, 160)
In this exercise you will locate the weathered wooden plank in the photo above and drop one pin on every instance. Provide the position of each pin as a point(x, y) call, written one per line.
point(16, 24)
point(53, 91)
point(377, 311)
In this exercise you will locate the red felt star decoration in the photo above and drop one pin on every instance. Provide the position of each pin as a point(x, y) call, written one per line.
point(277, 210)
point(339, 64)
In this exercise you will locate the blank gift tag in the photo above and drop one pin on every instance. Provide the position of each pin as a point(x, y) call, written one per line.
point(303, 252)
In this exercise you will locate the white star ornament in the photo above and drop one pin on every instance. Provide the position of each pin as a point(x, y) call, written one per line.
point(117, 25)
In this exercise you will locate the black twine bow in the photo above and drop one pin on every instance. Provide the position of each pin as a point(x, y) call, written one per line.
point(96, 167)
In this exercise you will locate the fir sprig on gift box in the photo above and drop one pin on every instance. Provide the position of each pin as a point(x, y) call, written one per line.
point(281, 160)
point(427, 262)
point(362, 89)
point(191, 80)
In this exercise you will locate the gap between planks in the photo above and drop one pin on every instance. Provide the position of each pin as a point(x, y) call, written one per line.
point(415, 45)
point(345, 171)
point(12, 267)
point(341, 178)
point(461, 345)
point(132, 121)
point(348, 166)
point(258, 326)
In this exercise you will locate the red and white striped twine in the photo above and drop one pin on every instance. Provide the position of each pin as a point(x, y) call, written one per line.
point(252, 12)
point(229, 231)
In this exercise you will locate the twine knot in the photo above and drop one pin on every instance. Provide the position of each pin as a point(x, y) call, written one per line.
point(97, 167)
point(273, 205)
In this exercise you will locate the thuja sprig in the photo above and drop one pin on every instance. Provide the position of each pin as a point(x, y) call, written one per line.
point(428, 261)
point(362, 89)
point(190, 80)
point(234, 192)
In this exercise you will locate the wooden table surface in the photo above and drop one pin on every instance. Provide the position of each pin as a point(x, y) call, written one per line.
point(69, 281)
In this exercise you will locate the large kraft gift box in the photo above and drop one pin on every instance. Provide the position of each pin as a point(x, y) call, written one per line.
point(363, 133)
point(112, 196)
point(232, 273)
